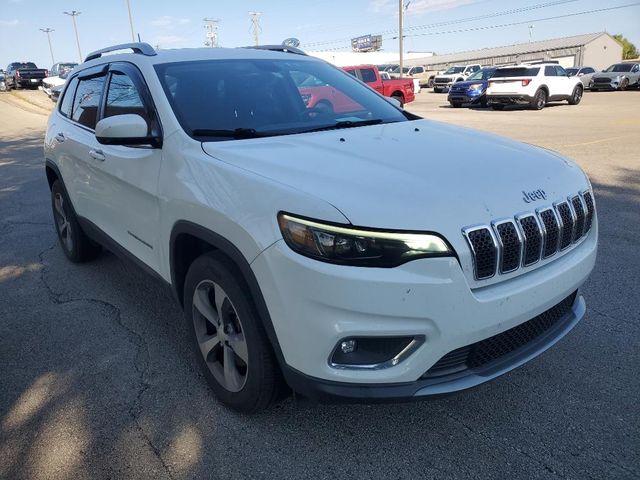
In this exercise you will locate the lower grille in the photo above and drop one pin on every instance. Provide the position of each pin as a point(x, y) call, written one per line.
point(601, 80)
point(442, 80)
point(485, 352)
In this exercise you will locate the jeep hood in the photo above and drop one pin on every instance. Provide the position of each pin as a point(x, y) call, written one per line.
point(414, 175)
point(469, 83)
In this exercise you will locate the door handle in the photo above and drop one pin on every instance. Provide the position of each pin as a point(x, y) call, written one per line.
point(97, 155)
point(60, 137)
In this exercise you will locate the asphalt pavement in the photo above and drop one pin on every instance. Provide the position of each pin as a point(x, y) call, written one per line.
point(97, 377)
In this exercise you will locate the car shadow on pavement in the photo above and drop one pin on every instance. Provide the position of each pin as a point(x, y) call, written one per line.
point(99, 381)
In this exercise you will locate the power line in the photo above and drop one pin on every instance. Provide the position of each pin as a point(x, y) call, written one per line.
point(73, 14)
point(489, 27)
point(48, 32)
point(255, 26)
point(511, 11)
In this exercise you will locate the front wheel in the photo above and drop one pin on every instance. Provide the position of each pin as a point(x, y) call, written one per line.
point(430, 83)
point(539, 100)
point(624, 84)
point(229, 340)
point(576, 96)
point(74, 242)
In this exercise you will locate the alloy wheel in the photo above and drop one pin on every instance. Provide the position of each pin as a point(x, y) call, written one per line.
point(62, 222)
point(220, 335)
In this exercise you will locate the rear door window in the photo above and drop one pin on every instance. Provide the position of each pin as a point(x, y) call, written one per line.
point(550, 71)
point(368, 75)
point(87, 101)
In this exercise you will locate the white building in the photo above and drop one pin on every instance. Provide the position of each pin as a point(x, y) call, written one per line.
point(343, 59)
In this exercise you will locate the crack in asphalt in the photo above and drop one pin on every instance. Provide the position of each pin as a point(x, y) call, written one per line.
point(142, 356)
point(510, 446)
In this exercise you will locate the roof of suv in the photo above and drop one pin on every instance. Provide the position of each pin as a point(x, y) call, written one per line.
point(194, 54)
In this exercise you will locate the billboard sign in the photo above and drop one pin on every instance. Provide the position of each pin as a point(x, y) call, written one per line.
point(366, 43)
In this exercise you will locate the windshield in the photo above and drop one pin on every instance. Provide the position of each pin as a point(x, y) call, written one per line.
point(483, 74)
point(397, 70)
point(226, 99)
point(572, 72)
point(620, 67)
point(25, 65)
point(452, 70)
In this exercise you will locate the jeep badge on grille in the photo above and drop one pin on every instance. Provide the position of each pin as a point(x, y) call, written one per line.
point(529, 197)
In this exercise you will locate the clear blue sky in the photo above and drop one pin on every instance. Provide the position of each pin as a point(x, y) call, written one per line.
point(179, 24)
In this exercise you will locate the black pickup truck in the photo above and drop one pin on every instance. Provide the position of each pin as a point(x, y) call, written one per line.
point(24, 75)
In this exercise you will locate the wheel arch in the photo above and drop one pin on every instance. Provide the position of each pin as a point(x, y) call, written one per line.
point(545, 88)
point(188, 241)
point(52, 172)
point(398, 93)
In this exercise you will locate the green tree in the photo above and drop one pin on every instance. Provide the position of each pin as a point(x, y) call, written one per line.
point(629, 50)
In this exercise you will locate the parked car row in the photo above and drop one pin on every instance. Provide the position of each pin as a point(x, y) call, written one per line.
point(534, 84)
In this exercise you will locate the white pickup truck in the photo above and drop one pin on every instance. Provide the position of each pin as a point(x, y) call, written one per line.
point(457, 73)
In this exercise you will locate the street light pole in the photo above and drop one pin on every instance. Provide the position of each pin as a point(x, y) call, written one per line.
point(73, 14)
point(48, 32)
point(133, 35)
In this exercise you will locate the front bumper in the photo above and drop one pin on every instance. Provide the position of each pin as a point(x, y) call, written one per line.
point(327, 391)
point(313, 305)
point(509, 99)
point(612, 85)
point(465, 97)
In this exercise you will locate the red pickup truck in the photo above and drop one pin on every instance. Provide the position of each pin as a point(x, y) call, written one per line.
point(401, 89)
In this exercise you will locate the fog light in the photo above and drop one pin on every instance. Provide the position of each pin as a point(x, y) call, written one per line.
point(348, 346)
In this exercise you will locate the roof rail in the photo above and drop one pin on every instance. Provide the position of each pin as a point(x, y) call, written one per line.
point(137, 47)
point(278, 48)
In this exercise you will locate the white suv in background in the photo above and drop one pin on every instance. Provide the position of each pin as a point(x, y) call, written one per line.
point(312, 247)
point(533, 84)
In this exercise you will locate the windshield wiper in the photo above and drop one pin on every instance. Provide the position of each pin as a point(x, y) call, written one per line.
point(346, 124)
point(236, 133)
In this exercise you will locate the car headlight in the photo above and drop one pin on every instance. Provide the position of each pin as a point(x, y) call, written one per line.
point(477, 86)
point(356, 246)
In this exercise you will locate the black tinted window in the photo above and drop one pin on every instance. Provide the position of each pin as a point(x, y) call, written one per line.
point(67, 100)
point(368, 75)
point(87, 101)
point(561, 72)
point(516, 72)
point(123, 98)
point(550, 71)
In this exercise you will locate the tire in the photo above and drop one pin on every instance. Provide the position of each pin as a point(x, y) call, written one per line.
point(624, 84)
point(324, 106)
point(430, 83)
point(400, 99)
point(539, 100)
point(249, 384)
point(483, 101)
point(576, 96)
point(74, 242)
point(497, 106)
point(436, 90)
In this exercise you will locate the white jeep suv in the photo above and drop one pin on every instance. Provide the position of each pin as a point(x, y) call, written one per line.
point(534, 85)
point(312, 247)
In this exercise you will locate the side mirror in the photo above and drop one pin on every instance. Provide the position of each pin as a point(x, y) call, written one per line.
point(393, 101)
point(128, 129)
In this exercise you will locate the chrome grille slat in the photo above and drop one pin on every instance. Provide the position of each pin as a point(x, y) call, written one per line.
point(532, 234)
point(551, 231)
point(525, 239)
point(510, 243)
point(484, 249)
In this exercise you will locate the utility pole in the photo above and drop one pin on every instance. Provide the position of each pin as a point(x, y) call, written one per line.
point(48, 32)
point(530, 35)
point(73, 14)
point(401, 35)
point(212, 31)
point(255, 26)
point(133, 35)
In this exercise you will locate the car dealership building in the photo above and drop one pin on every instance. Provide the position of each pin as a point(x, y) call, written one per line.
point(597, 50)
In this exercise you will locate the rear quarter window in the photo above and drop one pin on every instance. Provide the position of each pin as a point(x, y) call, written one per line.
point(66, 104)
